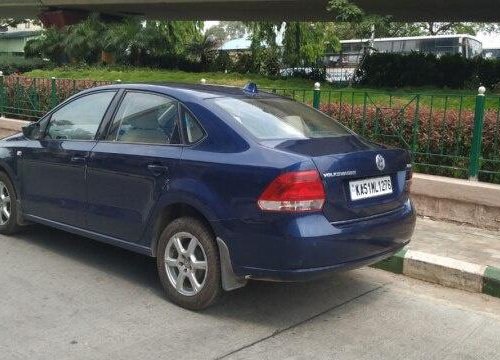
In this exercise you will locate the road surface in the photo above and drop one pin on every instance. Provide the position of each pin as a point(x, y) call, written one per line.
point(66, 297)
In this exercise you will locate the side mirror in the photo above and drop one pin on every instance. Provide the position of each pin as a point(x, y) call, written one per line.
point(31, 130)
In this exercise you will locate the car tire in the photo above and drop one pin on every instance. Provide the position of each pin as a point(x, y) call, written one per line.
point(8, 206)
point(188, 264)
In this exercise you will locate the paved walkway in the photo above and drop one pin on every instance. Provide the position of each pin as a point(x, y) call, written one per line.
point(456, 241)
point(5, 133)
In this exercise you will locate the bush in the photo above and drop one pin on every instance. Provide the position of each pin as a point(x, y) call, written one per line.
point(455, 71)
point(11, 64)
point(414, 70)
point(443, 139)
point(271, 62)
point(222, 62)
point(244, 64)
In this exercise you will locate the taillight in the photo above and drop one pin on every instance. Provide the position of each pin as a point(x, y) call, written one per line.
point(409, 172)
point(408, 177)
point(294, 192)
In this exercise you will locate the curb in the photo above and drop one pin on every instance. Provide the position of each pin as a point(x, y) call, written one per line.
point(444, 271)
point(12, 124)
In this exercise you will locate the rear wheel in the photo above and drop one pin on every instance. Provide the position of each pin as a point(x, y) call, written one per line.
point(8, 206)
point(188, 264)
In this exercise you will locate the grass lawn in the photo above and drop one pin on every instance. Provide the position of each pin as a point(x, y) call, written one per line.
point(172, 76)
point(301, 89)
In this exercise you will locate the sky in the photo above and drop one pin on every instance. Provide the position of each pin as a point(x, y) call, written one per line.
point(488, 40)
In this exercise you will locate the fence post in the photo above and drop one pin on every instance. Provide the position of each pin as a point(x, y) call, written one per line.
point(415, 128)
point(2, 92)
point(317, 95)
point(53, 92)
point(477, 136)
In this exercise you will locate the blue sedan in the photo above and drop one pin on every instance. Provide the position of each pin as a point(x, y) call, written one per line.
point(220, 184)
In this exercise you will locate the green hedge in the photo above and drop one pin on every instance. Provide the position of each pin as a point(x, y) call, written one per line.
point(10, 64)
point(451, 71)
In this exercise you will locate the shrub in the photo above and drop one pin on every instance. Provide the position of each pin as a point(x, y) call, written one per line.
point(415, 69)
point(271, 63)
point(443, 140)
point(11, 64)
point(244, 64)
point(222, 62)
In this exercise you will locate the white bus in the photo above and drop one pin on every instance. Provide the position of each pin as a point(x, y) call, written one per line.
point(491, 53)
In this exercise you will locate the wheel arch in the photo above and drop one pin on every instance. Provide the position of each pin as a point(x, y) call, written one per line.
point(5, 168)
point(174, 210)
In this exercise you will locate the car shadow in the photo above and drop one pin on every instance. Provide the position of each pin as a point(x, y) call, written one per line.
point(137, 268)
point(266, 303)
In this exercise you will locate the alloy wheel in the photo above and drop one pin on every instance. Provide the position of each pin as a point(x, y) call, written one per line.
point(5, 208)
point(186, 263)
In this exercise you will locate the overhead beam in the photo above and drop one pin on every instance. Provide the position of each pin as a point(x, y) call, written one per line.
point(272, 10)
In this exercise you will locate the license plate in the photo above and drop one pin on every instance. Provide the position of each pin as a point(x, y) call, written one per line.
point(368, 188)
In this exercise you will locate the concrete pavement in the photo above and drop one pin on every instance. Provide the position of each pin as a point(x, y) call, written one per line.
point(66, 297)
point(452, 255)
point(457, 241)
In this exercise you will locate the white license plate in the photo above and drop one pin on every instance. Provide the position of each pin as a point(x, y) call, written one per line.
point(368, 188)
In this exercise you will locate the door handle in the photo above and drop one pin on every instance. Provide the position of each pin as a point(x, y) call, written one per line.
point(79, 159)
point(157, 170)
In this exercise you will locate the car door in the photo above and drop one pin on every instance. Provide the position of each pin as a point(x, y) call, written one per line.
point(53, 167)
point(133, 164)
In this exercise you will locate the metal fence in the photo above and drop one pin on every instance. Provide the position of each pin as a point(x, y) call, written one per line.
point(30, 98)
point(455, 135)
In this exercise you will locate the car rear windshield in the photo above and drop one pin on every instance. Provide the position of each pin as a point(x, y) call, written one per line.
point(279, 118)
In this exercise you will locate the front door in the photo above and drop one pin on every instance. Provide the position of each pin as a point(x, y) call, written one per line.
point(129, 170)
point(53, 179)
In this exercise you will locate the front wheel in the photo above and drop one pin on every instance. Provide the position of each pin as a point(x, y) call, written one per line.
point(8, 206)
point(188, 264)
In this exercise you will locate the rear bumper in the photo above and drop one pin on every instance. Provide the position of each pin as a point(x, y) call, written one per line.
point(314, 273)
point(288, 248)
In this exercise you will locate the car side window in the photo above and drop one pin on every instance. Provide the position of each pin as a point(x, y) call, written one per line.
point(79, 119)
point(146, 118)
point(192, 128)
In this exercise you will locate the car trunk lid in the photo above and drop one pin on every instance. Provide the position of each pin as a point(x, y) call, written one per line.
point(356, 186)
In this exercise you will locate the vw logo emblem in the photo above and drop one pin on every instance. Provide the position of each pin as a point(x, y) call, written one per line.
point(380, 161)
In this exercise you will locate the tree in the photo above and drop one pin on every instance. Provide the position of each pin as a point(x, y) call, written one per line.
point(382, 26)
point(355, 23)
point(84, 42)
point(49, 45)
point(203, 50)
point(263, 35)
point(130, 41)
point(166, 42)
point(304, 43)
point(440, 28)
point(123, 41)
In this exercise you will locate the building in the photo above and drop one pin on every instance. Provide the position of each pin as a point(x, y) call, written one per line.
point(235, 46)
point(242, 45)
point(13, 39)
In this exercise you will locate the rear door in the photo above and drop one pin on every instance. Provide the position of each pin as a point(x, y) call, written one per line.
point(133, 164)
point(53, 179)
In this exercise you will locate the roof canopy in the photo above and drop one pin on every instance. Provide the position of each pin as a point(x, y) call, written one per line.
point(404, 10)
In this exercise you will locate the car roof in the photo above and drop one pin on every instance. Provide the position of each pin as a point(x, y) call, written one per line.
point(186, 92)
